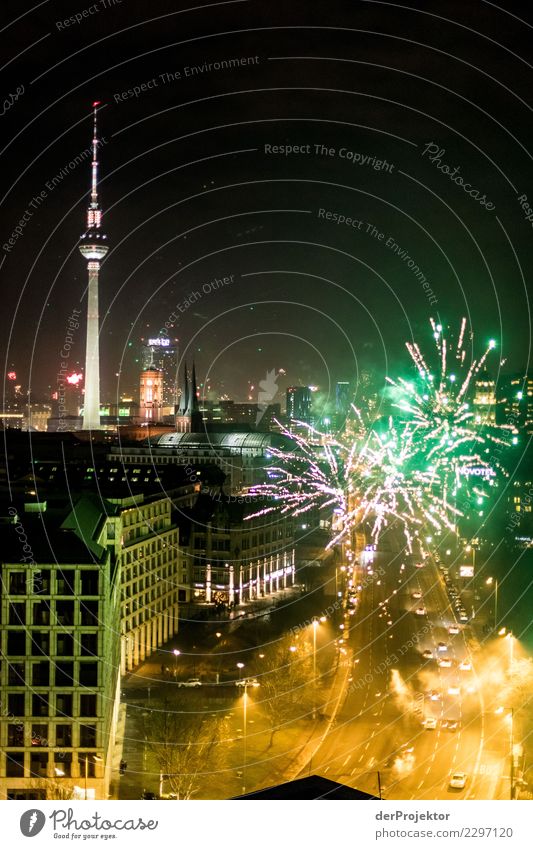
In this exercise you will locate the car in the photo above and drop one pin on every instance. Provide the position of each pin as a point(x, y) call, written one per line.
point(430, 723)
point(454, 690)
point(463, 617)
point(191, 682)
point(434, 695)
point(419, 565)
point(445, 662)
point(147, 794)
point(247, 682)
point(465, 666)
point(458, 781)
point(442, 646)
point(416, 594)
point(427, 653)
point(420, 611)
point(453, 629)
point(452, 725)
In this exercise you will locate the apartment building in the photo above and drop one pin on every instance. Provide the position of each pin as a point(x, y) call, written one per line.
point(60, 652)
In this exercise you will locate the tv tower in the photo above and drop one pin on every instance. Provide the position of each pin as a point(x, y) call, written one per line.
point(93, 246)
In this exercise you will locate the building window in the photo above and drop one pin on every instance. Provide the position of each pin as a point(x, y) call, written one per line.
point(64, 674)
point(15, 764)
point(64, 645)
point(88, 676)
point(15, 675)
point(88, 704)
point(38, 764)
point(64, 735)
point(15, 734)
point(15, 704)
point(89, 644)
point(17, 613)
point(16, 643)
point(65, 582)
point(40, 643)
point(64, 704)
point(89, 582)
point(89, 613)
point(41, 674)
point(39, 704)
point(39, 735)
point(17, 583)
point(65, 612)
point(88, 736)
point(41, 613)
point(62, 764)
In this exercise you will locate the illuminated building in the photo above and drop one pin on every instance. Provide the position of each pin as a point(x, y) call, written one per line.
point(299, 404)
point(342, 401)
point(60, 649)
point(484, 399)
point(515, 401)
point(161, 353)
point(234, 555)
point(151, 394)
point(93, 247)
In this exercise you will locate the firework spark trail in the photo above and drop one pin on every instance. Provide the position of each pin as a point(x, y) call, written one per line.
point(407, 469)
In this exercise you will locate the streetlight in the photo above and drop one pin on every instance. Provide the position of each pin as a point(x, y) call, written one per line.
point(315, 627)
point(176, 653)
point(246, 684)
point(490, 582)
point(499, 711)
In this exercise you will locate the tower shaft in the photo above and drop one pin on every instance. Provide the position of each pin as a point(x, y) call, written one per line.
point(91, 407)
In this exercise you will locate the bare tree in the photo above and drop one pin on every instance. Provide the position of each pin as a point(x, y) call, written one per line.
point(187, 746)
point(286, 682)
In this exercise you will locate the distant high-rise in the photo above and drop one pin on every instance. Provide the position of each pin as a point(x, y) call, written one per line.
point(299, 403)
point(161, 353)
point(342, 401)
point(151, 394)
point(93, 247)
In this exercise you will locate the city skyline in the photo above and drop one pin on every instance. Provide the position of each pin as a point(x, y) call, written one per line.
point(266, 486)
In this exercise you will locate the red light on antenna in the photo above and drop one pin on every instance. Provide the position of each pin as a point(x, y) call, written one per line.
point(96, 103)
point(12, 375)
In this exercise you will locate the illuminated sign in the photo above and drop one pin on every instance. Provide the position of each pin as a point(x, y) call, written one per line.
point(477, 471)
point(161, 341)
point(466, 571)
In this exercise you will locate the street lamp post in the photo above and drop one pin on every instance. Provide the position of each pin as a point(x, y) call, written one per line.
point(315, 627)
point(511, 747)
point(176, 653)
point(489, 582)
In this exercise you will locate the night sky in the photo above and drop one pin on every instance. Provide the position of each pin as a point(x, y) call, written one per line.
point(194, 189)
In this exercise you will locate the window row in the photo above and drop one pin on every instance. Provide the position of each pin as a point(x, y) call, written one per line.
point(49, 735)
point(51, 704)
point(37, 581)
point(45, 673)
point(23, 643)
